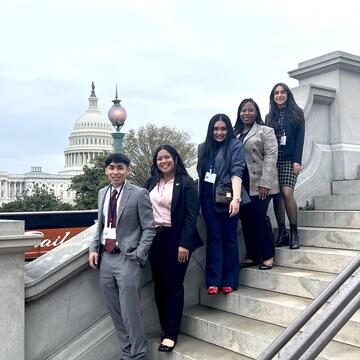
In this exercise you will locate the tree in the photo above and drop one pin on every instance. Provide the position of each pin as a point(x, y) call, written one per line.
point(40, 199)
point(87, 185)
point(140, 146)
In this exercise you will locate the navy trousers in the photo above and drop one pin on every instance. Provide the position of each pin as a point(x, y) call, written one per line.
point(257, 229)
point(222, 254)
point(168, 276)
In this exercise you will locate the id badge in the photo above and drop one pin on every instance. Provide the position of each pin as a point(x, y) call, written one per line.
point(210, 177)
point(110, 233)
point(283, 140)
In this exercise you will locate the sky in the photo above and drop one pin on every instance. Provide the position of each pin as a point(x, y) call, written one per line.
point(175, 62)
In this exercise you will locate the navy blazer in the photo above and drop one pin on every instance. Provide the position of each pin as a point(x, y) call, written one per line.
point(295, 135)
point(184, 211)
point(225, 167)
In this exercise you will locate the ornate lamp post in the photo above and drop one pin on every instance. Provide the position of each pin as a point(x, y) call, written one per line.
point(117, 115)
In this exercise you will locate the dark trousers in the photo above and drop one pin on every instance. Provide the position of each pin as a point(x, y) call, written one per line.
point(168, 276)
point(222, 255)
point(257, 229)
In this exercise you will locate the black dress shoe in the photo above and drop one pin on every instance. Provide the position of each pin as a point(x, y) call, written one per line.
point(283, 238)
point(165, 348)
point(263, 266)
point(294, 237)
point(244, 265)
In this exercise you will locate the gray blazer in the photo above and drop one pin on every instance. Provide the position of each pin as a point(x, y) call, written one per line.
point(135, 228)
point(261, 152)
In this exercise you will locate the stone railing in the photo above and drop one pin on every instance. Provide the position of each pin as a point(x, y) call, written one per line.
point(13, 244)
point(65, 314)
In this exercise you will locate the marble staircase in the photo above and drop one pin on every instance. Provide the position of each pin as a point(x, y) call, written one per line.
point(242, 324)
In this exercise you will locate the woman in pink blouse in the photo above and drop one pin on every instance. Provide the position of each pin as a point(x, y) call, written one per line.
point(174, 198)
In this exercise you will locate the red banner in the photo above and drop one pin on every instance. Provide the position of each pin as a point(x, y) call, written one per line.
point(52, 239)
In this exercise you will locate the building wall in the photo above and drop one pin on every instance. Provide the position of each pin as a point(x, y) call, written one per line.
point(12, 185)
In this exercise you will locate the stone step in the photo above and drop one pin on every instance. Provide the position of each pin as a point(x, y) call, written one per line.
point(330, 237)
point(337, 202)
point(273, 308)
point(303, 283)
point(246, 336)
point(190, 348)
point(317, 259)
point(330, 218)
point(345, 187)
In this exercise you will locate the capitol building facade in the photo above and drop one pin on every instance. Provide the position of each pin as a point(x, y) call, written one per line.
point(90, 137)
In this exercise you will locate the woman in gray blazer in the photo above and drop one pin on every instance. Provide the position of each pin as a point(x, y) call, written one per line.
point(260, 180)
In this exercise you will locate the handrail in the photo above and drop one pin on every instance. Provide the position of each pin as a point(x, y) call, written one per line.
point(345, 299)
point(326, 336)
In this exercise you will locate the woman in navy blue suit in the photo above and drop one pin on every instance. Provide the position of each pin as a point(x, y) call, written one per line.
point(174, 198)
point(221, 161)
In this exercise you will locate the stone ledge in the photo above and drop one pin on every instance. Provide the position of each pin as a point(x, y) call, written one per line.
point(325, 63)
point(12, 227)
point(17, 244)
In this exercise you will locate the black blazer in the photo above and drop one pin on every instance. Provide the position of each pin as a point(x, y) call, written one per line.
point(294, 140)
point(184, 210)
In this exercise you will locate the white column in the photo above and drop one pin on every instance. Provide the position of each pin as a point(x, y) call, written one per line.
point(13, 244)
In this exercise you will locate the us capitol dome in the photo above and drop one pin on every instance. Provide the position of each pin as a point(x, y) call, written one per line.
point(91, 137)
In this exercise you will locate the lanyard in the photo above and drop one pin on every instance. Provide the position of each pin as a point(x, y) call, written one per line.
point(281, 121)
point(112, 208)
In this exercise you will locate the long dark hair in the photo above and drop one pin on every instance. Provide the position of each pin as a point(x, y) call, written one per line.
point(210, 144)
point(293, 112)
point(239, 125)
point(179, 165)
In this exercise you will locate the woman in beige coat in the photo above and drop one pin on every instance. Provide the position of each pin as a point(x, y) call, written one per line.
point(260, 180)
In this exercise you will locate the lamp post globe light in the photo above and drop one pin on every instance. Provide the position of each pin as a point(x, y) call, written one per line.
point(117, 116)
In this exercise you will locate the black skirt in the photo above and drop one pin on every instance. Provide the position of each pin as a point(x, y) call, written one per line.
point(287, 177)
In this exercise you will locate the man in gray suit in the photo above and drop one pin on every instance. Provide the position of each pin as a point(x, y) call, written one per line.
point(119, 249)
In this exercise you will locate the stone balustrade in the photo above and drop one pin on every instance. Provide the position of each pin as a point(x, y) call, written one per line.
point(13, 244)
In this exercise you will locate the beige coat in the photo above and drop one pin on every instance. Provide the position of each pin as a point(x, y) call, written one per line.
point(261, 152)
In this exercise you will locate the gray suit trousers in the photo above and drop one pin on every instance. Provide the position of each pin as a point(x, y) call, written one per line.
point(120, 285)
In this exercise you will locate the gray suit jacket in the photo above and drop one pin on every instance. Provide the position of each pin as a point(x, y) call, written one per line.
point(261, 152)
point(135, 228)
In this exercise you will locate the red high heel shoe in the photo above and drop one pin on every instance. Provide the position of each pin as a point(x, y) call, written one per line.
point(213, 290)
point(227, 289)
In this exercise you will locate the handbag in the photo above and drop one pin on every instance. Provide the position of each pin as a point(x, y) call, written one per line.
point(223, 194)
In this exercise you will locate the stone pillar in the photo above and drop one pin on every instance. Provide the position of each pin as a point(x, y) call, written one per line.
point(13, 244)
point(340, 71)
